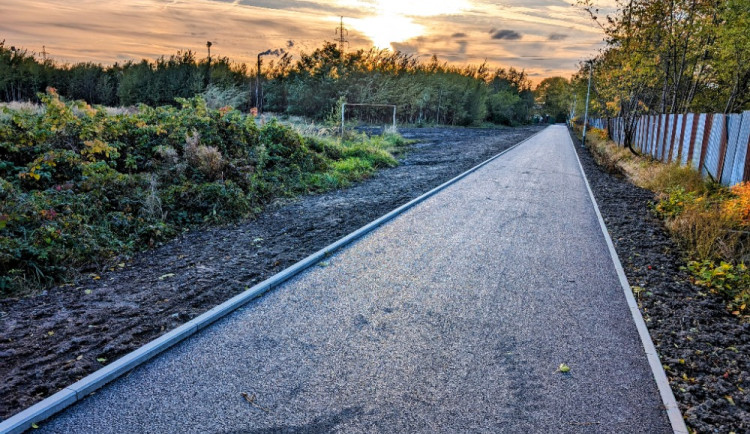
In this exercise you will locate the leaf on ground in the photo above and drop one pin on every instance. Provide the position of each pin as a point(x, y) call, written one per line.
point(50, 333)
point(324, 264)
point(564, 368)
point(87, 292)
point(101, 359)
point(166, 276)
point(35, 426)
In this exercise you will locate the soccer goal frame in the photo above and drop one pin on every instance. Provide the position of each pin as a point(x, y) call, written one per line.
point(343, 112)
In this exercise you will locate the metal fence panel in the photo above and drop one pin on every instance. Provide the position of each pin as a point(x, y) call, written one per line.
point(711, 162)
point(734, 122)
point(698, 142)
point(677, 146)
point(741, 160)
point(686, 138)
point(721, 143)
point(667, 155)
point(661, 138)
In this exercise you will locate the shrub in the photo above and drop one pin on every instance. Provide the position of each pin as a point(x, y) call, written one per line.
point(80, 185)
point(674, 201)
point(730, 281)
point(738, 207)
point(214, 202)
point(708, 220)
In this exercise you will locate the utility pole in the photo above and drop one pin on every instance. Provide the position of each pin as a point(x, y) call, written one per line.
point(586, 113)
point(341, 31)
point(258, 99)
point(208, 69)
point(44, 54)
point(258, 83)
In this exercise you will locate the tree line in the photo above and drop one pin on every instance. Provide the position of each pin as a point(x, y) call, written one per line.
point(310, 86)
point(669, 56)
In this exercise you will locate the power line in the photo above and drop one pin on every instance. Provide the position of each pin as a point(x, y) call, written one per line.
point(341, 31)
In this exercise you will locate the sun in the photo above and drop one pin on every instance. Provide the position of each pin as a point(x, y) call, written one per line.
point(393, 20)
point(382, 30)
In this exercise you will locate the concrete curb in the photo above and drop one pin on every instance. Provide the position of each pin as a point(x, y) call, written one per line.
point(80, 389)
point(667, 397)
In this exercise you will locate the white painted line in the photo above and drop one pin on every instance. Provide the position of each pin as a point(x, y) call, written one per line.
point(77, 391)
point(667, 397)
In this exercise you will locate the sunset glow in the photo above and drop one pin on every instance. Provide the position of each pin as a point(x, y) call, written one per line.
point(545, 38)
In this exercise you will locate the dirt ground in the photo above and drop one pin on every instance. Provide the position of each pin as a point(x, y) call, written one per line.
point(49, 341)
point(705, 350)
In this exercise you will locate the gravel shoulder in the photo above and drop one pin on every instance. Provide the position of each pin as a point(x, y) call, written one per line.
point(54, 339)
point(704, 349)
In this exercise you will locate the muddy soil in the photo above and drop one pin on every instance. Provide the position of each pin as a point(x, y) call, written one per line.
point(49, 341)
point(705, 350)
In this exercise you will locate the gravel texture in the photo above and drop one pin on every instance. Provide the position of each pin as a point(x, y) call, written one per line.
point(49, 341)
point(453, 317)
point(706, 350)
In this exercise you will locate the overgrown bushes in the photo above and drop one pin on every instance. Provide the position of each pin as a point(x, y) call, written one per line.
point(79, 185)
point(711, 222)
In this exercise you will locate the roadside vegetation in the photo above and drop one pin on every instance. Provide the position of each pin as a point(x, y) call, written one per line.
point(431, 92)
point(711, 222)
point(667, 57)
point(81, 184)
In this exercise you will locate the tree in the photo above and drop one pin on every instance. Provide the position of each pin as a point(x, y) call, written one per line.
point(553, 95)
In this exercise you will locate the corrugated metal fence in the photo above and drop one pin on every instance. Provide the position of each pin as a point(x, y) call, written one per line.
point(718, 145)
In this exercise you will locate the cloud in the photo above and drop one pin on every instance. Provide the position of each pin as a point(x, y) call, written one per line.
point(510, 35)
point(115, 30)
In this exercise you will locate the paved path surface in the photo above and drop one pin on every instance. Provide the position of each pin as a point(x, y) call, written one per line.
point(454, 317)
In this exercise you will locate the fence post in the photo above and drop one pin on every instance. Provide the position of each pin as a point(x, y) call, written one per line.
point(343, 107)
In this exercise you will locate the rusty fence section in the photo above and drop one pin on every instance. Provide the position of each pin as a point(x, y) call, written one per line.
point(717, 145)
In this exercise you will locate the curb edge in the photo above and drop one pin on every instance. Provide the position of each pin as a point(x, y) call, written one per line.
point(665, 390)
point(68, 396)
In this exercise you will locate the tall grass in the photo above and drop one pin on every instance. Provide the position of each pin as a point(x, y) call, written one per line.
point(709, 221)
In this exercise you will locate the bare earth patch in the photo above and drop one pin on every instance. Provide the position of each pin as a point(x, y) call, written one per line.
point(49, 341)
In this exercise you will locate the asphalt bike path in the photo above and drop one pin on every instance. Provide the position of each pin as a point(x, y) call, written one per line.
point(453, 317)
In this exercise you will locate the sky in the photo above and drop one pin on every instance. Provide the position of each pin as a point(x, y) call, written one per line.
point(543, 37)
